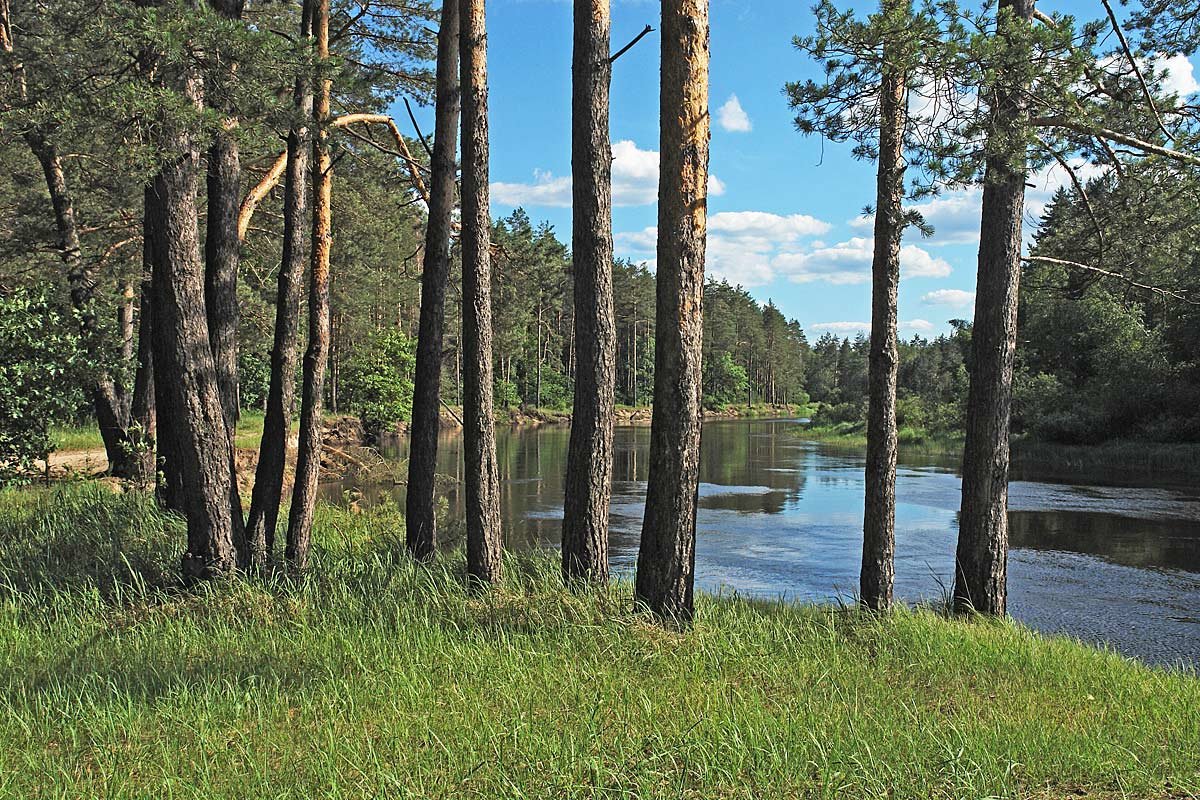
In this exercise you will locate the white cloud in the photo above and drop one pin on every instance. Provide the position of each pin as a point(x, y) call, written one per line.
point(849, 262)
point(732, 117)
point(1180, 79)
point(956, 298)
point(844, 328)
point(634, 182)
point(742, 245)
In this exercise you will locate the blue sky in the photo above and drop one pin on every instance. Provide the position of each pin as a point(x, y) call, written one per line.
point(783, 208)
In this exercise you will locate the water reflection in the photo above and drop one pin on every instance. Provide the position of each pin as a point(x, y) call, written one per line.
point(780, 516)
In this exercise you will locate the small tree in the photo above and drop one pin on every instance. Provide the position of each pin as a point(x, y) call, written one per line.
point(378, 380)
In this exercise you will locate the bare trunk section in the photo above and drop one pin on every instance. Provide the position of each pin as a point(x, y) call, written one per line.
point(667, 556)
point(272, 452)
point(878, 575)
point(420, 521)
point(143, 418)
point(221, 254)
point(308, 462)
point(185, 372)
point(484, 537)
point(589, 457)
point(981, 561)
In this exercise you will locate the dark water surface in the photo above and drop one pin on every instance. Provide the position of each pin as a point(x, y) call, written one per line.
point(781, 516)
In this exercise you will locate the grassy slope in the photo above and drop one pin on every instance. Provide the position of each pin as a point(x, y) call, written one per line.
point(373, 677)
point(87, 437)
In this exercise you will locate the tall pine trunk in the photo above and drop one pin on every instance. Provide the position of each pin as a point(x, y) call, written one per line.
point(667, 556)
point(878, 575)
point(221, 256)
point(981, 561)
point(420, 521)
point(272, 452)
point(308, 462)
point(185, 372)
point(589, 457)
point(484, 537)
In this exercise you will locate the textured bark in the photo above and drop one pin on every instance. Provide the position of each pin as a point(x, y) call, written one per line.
point(221, 267)
point(878, 575)
point(272, 452)
point(143, 418)
point(589, 457)
point(308, 461)
point(667, 556)
point(169, 490)
point(981, 562)
point(484, 537)
point(420, 521)
point(221, 253)
point(185, 372)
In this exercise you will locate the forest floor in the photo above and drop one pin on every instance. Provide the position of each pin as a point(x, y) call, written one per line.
point(371, 676)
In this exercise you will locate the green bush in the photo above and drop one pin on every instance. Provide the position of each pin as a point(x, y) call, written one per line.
point(378, 380)
point(724, 382)
point(40, 371)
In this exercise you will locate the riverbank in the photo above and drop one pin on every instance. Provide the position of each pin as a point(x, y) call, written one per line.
point(373, 677)
point(1126, 459)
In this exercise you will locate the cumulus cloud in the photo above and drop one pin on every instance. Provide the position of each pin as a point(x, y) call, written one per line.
point(634, 182)
point(956, 298)
point(849, 262)
point(742, 245)
point(732, 117)
point(955, 215)
point(1180, 78)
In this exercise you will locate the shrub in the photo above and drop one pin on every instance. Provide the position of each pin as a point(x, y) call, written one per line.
point(378, 380)
point(40, 370)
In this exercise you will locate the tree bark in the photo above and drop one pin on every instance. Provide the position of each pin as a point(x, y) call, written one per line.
point(420, 520)
point(272, 452)
point(221, 255)
point(186, 374)
point(308, 462)
point(589, 457)
point(484, 537)
point(143, 418)
point(981, 562)
point(667, 556)
point(878, 575)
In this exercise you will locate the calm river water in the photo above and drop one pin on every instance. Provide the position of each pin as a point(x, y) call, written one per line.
point(782, 517)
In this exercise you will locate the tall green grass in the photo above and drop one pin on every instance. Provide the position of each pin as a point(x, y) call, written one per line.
point(374, 677)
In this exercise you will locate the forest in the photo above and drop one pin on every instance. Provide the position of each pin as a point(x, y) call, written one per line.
point(251, 261)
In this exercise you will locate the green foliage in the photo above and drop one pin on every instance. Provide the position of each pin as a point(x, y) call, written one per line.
point(724, 382)
point(505, 394)
point(40, 368)
point(378, 380)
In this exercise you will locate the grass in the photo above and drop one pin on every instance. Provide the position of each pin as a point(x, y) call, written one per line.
point(373, 677)
point(854, 435)
point(74, 438)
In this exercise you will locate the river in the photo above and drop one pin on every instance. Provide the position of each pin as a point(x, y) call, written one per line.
point(780, 516)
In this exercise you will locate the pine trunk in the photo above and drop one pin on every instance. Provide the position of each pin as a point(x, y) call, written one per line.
point(589, 457)
point(667, 556)
point(185, 372)
point(420, 520)
point(484, 537)
point(878, 576)
point(981, 562)
point(272, 452)
point(308, 461)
